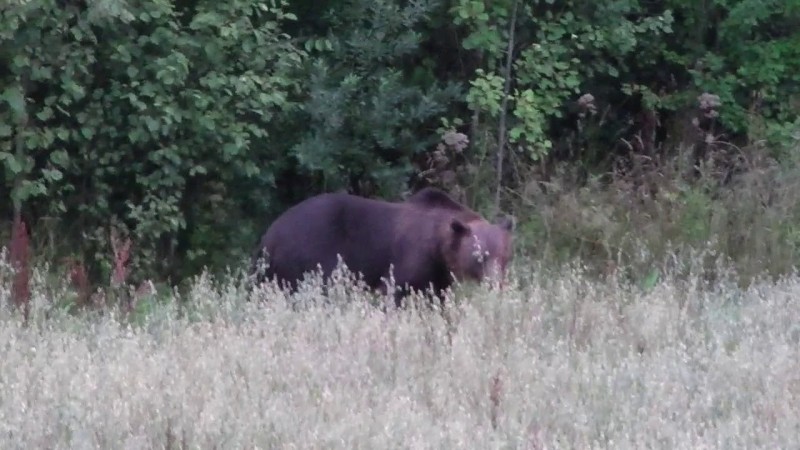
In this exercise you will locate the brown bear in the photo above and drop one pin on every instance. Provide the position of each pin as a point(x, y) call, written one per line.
point(428, 240)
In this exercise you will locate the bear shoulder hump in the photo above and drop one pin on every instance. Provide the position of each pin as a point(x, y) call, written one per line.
point(435, 198)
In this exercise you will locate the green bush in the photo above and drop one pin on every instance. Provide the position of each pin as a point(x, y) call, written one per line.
point(171, 121)
point(368, 114)
point(150, 117)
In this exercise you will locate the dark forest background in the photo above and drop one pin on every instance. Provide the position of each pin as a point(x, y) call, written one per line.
point(617, 132)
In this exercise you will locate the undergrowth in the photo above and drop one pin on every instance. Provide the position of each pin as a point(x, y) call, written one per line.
point(739, 204)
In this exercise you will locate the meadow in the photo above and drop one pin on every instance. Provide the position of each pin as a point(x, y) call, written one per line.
point(559, 359)
point(147, 140)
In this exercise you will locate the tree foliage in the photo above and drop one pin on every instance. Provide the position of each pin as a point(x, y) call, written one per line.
point(365, 109)
point(143, 115)
point(173, 120)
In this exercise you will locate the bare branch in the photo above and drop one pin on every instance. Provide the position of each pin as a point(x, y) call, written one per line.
point(501, 133)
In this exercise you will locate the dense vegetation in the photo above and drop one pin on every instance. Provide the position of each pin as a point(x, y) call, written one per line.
point(186, 126)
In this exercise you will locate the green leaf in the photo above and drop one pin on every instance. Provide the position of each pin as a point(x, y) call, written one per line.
point(20, 62)
point(13, 166)
point(151, 123)
point(15, 99)
point(28, 189)
point(52, 174)
point(45, 114)
point(60, 158)
point(197, 170)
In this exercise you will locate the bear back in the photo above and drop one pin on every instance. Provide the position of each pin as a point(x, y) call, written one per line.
point(430, 197)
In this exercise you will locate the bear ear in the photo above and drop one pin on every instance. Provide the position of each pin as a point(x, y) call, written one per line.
point(507, 223)
point(459, 227)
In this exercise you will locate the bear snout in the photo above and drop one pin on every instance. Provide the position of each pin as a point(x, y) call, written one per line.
point(494, 272)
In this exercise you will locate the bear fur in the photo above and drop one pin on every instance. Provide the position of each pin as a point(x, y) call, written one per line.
point(427, 240)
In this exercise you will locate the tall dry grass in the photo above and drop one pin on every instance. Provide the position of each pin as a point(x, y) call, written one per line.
point(740, 203)
point(559, 360)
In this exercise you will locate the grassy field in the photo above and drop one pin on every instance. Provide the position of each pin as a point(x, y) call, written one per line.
point(559, 360)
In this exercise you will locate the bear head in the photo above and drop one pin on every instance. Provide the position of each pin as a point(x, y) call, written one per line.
point(479, 250)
